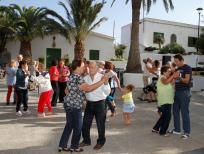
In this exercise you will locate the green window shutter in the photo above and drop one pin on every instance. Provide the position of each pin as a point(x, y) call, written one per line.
point(94, 54)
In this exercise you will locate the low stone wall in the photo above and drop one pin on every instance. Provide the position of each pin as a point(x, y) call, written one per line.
point(137, 80)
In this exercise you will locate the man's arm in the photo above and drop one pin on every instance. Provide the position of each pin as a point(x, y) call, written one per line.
point(186, 79)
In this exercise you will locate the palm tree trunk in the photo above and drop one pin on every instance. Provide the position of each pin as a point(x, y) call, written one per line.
point(159, 46)
point(134, 64)
point(25, 50)
point(79, 50)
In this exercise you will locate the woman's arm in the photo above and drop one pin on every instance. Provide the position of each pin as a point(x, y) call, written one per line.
point(167, 80)
point(87, 88)
point(117, 81)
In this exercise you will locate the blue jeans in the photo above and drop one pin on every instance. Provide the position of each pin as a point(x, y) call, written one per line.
point(181, 104)
point(73, 123)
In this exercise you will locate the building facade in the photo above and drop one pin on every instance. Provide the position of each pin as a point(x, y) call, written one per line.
point(97, 47)
point(181, 33)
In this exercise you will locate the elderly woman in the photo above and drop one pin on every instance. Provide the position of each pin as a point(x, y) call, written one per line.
point(73, 106)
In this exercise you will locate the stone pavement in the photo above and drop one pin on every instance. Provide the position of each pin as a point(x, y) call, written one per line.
point(32, 135)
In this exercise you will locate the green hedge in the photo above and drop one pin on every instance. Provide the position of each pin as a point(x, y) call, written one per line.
point(173, 48)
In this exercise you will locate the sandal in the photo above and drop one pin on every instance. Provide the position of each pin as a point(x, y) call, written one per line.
point(63, 149)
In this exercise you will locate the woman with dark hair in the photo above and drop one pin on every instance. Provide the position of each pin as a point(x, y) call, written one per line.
point(113, 79)
point(22, 75)
point(165, 96)
point(73, 101)
point(54, 76)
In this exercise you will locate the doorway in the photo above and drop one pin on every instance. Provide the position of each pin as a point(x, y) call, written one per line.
point(52, 54)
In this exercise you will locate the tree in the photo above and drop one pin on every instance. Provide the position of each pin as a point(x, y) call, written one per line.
point(81, 20)
point(29, 23)
point(119, 50)
point(159, 39)
point(6, 30)
point(133, 64)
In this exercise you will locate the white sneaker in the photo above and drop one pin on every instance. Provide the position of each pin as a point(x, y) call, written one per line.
point(19, 113)
point(185, 136)
point(174, 132)
point(27, 112)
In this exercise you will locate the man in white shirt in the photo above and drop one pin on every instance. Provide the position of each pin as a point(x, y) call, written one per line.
point(95, 107)
point(146, 76)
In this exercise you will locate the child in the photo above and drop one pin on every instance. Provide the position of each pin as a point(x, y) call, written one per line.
point(128, 103)
point(11, 79)
point(45, 90)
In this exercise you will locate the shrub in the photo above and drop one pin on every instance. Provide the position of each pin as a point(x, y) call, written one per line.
point(150, 48)
point(41, 60)
point(119, 50)
point(117, 58)
point(173, 48)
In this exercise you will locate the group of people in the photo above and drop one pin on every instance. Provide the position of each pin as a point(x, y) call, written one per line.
point(94, 88)
point(87, 83)
point(91, 86)
point(22, 77)
point(170, 86)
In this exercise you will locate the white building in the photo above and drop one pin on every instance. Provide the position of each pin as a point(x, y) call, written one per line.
point(97, 47)
point(183, 34)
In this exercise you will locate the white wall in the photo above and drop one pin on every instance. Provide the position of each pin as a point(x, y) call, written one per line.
point(94, 41)
point(181, 30)
point(104, 44)
point(182, 33)
point(125, 38)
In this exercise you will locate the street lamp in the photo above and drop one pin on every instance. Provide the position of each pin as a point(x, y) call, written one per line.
point(199, 12)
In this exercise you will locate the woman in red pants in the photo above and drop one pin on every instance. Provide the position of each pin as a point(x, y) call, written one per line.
point(45, 90)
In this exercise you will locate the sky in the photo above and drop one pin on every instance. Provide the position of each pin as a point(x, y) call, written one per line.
point(120, 13)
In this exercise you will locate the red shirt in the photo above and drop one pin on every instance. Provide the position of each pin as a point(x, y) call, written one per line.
point(63, 73)
point(54, 73)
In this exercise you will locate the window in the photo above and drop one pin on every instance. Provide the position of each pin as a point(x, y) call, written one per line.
point(192, 41)
point(94, 54)
point(155, 36)
point(173, 38)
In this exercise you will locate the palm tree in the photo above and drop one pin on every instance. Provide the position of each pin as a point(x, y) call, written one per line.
point(159, 39)
point(29, 23)
point(6, 30)
point(133, 64)
point(81, 20)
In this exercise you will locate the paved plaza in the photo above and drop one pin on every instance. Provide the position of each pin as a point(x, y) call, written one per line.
point(32, 135)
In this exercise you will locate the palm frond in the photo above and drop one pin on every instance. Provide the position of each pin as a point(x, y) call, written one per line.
point(97, 23)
